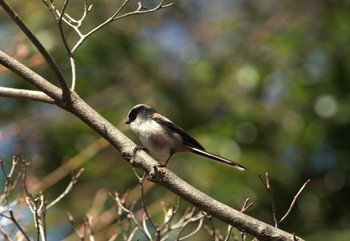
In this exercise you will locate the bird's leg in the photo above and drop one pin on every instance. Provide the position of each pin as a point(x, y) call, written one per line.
point(166, 162)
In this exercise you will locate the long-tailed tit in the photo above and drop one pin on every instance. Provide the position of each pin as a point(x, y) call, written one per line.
point(162, 138)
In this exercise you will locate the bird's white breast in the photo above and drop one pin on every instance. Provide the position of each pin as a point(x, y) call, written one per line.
point(155, 138)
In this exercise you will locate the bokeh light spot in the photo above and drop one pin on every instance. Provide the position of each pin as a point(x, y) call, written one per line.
point(247, 78)
point(334, 180)
point(326, 106)
point(246, 133)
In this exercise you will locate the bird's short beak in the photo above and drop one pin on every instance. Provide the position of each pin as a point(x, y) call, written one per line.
point(127, 121)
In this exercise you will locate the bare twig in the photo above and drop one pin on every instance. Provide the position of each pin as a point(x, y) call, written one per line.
point(131, 235)
point(229, 231)
point(268, 189)
point(115, 17)
point(81, 233)
point(294, 200)
point(68, 188)
point(169, 215)
point(148, 217)
point(266, 184)
point(130, 215)
point(14, 220)
point(200, 219)
point(213, 229)
point(37, 205)
point(4, 234)
point(61, 16)
point(186, 219)
point(88, 227)
point(246, 205)
point(10, 184)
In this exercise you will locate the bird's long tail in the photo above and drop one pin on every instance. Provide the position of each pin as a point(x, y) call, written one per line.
point(217, 158)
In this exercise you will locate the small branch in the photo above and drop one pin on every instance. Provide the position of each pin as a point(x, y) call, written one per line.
point(115, 17)
point(142, 10)
point(199, 226)
point(65, 43)
point(9, 184)
point(246, 205)
point(148, 217)
point(13, 219)
point(68, 188)
point(185, 220)
point(199, 217)
point(266, 184)
point(229, 231)
point(88, 227)
point(169, 215)
point(213, 231)
point(4, 234)
point(294, 200)
point(33, 95)
point(132, 233)
point(9, 187)
point(130, 214)
point(62, 16)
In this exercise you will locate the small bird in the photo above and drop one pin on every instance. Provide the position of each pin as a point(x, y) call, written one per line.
point(162, 138)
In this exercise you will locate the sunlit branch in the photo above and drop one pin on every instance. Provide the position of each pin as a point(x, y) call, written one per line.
point(25, 94)
point(294, 200)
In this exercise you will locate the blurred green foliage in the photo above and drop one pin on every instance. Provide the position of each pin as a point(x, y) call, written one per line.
point(265, 83)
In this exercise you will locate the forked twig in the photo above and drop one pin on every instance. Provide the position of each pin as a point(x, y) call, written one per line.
point(130, 214)
point(10, 184)
point(62, 17)
point(246, 205)
point(266, 184)
point(146, 213)
point(186, 219)
point(199, 226)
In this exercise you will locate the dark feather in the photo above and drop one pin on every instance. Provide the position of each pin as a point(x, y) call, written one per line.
point(187, 139)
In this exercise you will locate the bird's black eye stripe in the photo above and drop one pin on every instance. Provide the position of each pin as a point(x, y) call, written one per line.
point(142, 110)
point(133, 114)
point(135, 111)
